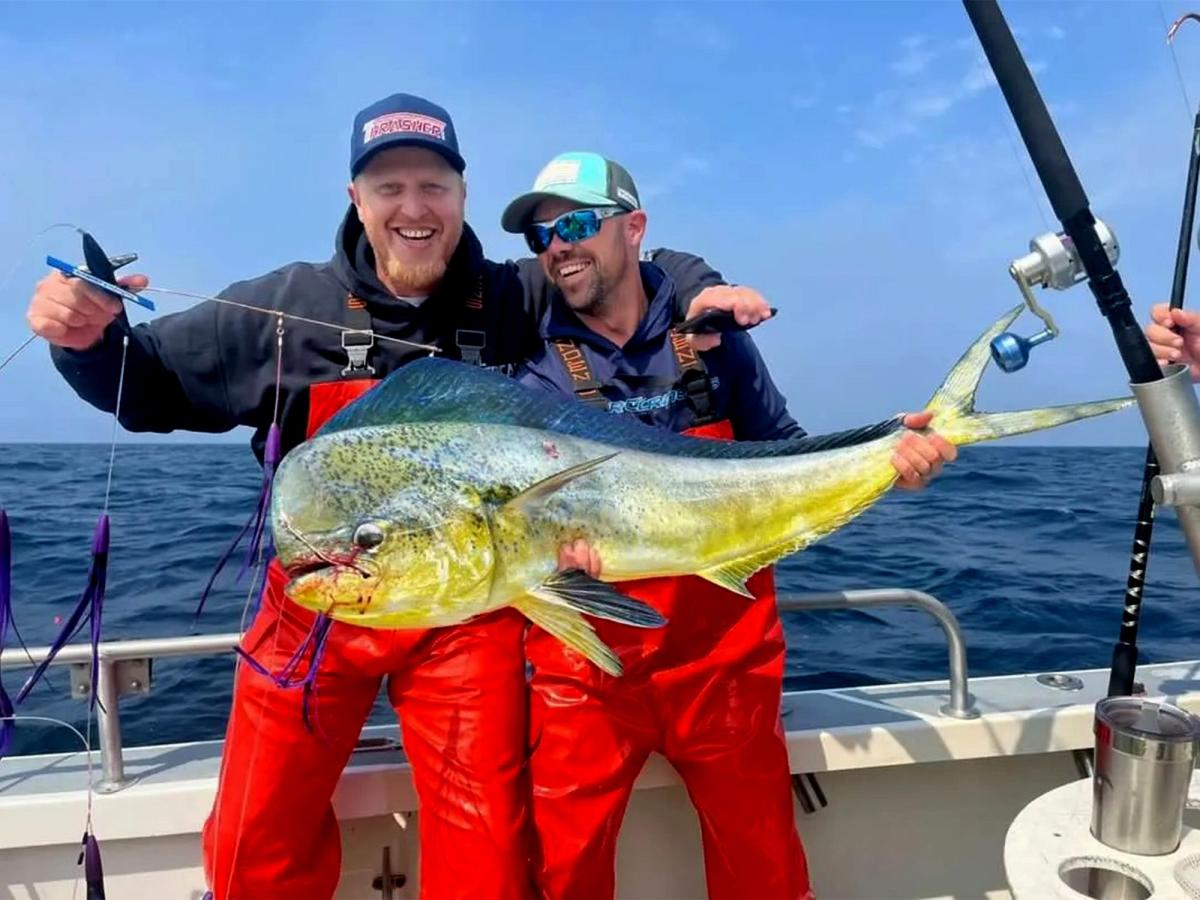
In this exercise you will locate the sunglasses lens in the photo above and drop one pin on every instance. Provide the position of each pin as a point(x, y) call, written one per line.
point(538, 238)
point(570, 227)
point(578, 226)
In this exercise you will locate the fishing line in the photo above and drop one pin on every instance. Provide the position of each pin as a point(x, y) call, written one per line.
point(278, 369)
point(1171, 29)
point(29, 340)
point(87, 748)
point(96, 613)
point(256, 585)
point(260, 557)
point(1012, 145)
point(67, 725)
point(16, 268)
point(112, 449)
point(270, 460)
point(274, 312)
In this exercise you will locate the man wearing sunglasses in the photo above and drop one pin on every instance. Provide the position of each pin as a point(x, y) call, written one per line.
point(705, 690)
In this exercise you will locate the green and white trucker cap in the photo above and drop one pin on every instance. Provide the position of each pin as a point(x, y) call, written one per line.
point(586, 178)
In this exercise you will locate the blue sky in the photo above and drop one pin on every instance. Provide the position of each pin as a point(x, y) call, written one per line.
point(851, 160)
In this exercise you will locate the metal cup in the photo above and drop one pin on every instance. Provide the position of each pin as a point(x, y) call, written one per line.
point(1145, 753)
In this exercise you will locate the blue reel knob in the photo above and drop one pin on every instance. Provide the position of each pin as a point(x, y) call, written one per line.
point(1011, 351)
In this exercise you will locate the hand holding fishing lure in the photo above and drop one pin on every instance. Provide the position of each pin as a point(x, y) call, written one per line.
point(72, 306)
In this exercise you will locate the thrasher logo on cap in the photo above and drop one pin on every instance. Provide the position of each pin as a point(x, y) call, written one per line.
point(399, 123)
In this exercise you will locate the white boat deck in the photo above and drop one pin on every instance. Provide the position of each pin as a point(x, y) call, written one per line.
point(827, 730)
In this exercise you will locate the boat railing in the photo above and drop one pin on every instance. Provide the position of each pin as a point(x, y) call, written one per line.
point(961, 704)
point(125, 666)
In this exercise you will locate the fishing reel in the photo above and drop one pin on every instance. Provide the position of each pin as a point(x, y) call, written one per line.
point(1051, 263)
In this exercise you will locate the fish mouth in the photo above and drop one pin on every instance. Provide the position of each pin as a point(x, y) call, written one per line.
point(329, 564)
point(314, 559)
point(308, 567)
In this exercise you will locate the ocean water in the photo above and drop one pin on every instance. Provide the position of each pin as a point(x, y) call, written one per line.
point(1028, 546)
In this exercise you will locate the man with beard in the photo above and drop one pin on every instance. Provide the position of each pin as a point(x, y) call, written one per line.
point(407, 271)
point(704, 690)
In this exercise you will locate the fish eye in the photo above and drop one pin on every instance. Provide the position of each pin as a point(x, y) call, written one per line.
point(368, 535)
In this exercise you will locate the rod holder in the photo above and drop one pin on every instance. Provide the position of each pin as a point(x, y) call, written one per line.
point(1171, 414)
point(1182, 489)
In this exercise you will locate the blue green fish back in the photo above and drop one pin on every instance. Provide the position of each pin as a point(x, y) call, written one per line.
point(440, 390)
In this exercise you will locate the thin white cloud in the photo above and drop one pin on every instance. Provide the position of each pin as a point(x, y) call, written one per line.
point(809, 76)
point(915, 57)
point(898, 112)
point(664, 182)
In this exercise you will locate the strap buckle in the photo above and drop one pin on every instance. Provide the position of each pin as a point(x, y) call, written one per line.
point(357, 344)
point(470, 345)
point(698, 387)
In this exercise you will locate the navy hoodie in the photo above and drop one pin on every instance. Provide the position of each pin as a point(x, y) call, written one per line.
point(640, 378)
point(211, 368)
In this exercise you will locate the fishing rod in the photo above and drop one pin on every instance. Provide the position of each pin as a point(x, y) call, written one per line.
point(1086, 249)
point(1062, 186)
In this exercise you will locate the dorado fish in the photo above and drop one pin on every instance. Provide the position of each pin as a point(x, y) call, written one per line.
point(446, 490)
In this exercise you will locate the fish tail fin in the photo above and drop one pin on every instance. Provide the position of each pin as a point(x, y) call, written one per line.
point(953, 406)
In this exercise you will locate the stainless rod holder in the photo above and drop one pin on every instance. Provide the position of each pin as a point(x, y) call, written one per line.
point(1171, 414)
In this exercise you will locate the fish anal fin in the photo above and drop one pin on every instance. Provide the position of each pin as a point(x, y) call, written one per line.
point(572, 629)
point(727, 577)
point(733, 575)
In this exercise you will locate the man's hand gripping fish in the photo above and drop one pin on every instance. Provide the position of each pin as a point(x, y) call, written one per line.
point(446, 491)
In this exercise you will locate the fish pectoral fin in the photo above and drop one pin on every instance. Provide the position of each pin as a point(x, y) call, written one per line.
point(579, 591)
point(572, 629)
point(540, 490)
point(733, 575)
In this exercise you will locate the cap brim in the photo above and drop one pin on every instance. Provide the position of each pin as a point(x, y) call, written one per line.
point(410, 140)
point(518, 214)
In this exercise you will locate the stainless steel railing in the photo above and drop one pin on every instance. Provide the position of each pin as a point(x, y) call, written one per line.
point(962, 704)
point(124, 669)
point(125, 665)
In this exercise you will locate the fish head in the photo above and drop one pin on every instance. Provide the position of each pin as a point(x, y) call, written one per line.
point(402, 547)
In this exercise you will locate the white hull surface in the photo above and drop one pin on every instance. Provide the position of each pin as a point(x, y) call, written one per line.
point(918, 803)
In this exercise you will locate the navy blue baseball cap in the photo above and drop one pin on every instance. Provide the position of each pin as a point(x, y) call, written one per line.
point(403, 120)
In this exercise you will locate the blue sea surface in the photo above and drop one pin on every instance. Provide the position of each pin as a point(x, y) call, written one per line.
point(1028, 546)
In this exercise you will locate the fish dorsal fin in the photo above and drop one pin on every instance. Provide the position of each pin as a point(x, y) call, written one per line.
point(441, 390)
point(540, 490)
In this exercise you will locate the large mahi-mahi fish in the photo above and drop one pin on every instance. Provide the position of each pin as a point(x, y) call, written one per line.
point(446, 490)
